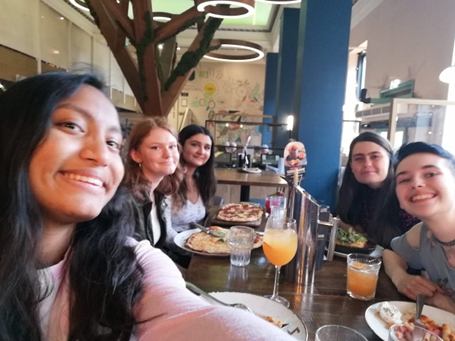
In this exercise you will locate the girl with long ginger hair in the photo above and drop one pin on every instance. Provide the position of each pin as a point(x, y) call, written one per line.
point(152, 173)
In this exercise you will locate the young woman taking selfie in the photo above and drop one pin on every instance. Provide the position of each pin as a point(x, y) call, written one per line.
point(69, 269)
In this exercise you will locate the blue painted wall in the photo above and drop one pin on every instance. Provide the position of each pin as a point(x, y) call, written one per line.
point(286, 77)
point(270, 94)
point(320, 90)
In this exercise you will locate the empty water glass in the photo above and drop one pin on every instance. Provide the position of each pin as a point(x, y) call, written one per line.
point(341, 333)
point(241, 242)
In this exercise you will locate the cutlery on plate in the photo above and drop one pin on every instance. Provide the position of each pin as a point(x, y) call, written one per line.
point(191, 287)
point(215, 233)
point(418, 322)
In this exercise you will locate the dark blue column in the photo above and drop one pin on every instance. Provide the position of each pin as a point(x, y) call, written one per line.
point(286, 76)
point(270, 94)
point(320, 90)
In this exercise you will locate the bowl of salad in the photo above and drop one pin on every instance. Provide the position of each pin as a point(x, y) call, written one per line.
point(350, 241)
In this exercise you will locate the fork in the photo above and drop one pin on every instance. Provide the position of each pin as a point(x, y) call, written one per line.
point(191, 287)
point(209, 231)
point(418, 322)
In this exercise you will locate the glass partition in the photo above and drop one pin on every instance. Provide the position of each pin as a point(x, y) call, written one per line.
point(413, 119)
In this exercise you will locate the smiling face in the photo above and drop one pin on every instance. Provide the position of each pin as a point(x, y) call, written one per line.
point(425, 185)
point(158, 155)
point(77, 168)
point(196, 150)
point(370, 163)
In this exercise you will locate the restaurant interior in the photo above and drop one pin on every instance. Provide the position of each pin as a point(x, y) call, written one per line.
point(318, 72)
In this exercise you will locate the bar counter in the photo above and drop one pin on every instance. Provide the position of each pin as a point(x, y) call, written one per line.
point(232, 176)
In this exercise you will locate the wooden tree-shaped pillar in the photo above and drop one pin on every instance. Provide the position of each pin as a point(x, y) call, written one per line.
point(155, 84)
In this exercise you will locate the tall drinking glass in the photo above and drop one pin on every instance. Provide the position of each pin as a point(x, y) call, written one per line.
point(280, 246)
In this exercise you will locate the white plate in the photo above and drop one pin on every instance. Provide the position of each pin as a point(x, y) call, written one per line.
point(251, 170)
point(266, 307)
point(379, 326)
point(182, 237)
point(376, 253)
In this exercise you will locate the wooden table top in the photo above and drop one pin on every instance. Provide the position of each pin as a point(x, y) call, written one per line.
point(230, 176)
point(326, 302)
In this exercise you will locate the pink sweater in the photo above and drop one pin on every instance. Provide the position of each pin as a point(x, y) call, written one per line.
point(174, 313)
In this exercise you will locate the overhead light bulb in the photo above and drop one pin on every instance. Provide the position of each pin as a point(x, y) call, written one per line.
point(290, 122)
point(448, 75)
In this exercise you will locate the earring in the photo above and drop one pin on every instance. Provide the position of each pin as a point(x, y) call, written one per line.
point(140, 165)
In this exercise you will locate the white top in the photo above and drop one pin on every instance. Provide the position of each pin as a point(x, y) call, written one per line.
point(156, 226)
point(180, 218)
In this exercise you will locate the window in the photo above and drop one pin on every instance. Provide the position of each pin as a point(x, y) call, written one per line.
point(361, 71)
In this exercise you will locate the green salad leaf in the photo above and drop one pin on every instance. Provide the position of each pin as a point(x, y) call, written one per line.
point(350, 236)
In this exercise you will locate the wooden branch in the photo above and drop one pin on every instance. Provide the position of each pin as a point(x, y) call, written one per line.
point(146, 54)
point(120, 15)
point(177, 86)
point(109, 30)
point(176, 24)
point(140, 9)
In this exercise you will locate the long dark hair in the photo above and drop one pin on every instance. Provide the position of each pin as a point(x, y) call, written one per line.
point(105, 278)
point(384, 223)
point(204, 175)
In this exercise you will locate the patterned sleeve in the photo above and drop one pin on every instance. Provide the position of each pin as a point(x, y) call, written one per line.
point(407, 221)
point(170, 232)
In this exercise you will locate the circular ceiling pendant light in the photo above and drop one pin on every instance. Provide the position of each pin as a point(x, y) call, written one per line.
point(244, 8)
point(162, 16)
point(280, 2)
point(257, 50)
point(80, 4)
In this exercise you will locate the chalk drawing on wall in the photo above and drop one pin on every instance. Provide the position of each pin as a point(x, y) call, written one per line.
point(210, 88)
point(216, 89)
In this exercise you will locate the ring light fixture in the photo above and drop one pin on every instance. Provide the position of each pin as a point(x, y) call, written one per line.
point(280, 2)
point(257, 50)
point(80, 4)
point(245, 8)
point(162, 16)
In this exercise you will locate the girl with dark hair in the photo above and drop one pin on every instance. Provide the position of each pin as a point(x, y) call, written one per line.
point(367, 199)
point(192, 200)
point(425, 177)
point(68, 268)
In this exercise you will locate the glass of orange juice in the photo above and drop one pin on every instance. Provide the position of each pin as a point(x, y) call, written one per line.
point(279, 245)
point(363, 273)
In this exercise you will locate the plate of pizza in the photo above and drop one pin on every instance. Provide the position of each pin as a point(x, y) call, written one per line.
point(437, 317)
point(240, 213)
point(202, 243)
point(269, 310)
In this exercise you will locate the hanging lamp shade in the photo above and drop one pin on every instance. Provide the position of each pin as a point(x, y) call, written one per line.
point(237, 9)
point(448, 75)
